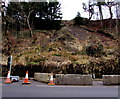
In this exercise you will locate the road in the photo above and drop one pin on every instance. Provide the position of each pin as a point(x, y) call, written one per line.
point(38, 89)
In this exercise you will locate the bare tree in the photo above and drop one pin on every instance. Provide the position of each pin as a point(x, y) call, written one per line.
point(99, 4)
point(89, 9)
point(110, 5)
point(117, 18)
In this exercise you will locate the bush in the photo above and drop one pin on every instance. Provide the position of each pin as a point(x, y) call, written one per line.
point(95, 50)
point(46, 24)
point(80, 20)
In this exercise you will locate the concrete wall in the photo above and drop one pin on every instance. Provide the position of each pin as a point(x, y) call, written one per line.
point(43, 77)
point(111, 79)
point(73, 79)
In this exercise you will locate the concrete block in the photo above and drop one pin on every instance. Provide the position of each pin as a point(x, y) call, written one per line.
point(43, 77)
point(69, 79)
point(73, 79)
point(111, 79)
point(59, 79)
point(87, 79)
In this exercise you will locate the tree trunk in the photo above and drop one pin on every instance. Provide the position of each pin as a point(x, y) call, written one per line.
point(100, 10)
point(28, 23)
point(117, 26)
point(101, 14)
point(29, 27)
point(117, 21)
point(111, 14)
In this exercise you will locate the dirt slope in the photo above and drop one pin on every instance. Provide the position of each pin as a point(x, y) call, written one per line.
point(63, 51)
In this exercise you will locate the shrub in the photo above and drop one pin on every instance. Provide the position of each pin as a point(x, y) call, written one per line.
point(78, 20)
point(47, 24)
point(106, 34)
point(95, 50)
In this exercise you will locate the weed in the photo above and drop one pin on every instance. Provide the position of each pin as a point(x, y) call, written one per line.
point(32, 63)
point(79, 53)
point(40, 59)
point(56, 54)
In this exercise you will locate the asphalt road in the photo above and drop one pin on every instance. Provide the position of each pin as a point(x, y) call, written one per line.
point(37, 89)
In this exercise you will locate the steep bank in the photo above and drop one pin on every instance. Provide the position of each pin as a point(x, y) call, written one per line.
point(63, 51)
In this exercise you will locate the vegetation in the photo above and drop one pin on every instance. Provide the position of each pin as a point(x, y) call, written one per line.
point(33, 35)
point(80, 20)
point(90, 8)
point(95, 50)
point(23, 16)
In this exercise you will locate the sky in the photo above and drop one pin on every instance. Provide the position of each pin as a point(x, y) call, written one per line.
point(69, 8)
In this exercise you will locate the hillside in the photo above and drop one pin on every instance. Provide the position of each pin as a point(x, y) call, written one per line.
point(64, 51)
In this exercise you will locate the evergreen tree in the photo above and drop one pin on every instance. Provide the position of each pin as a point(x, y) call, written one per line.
point(25, 13)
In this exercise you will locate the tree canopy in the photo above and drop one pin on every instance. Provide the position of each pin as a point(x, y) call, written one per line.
point(24, 15)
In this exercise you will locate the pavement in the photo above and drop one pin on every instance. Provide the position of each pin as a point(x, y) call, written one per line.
point(39, 89)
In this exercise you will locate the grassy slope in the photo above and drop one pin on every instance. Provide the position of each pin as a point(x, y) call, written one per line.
point(65, 45)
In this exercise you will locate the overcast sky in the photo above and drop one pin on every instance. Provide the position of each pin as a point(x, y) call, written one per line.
point(70, 8)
